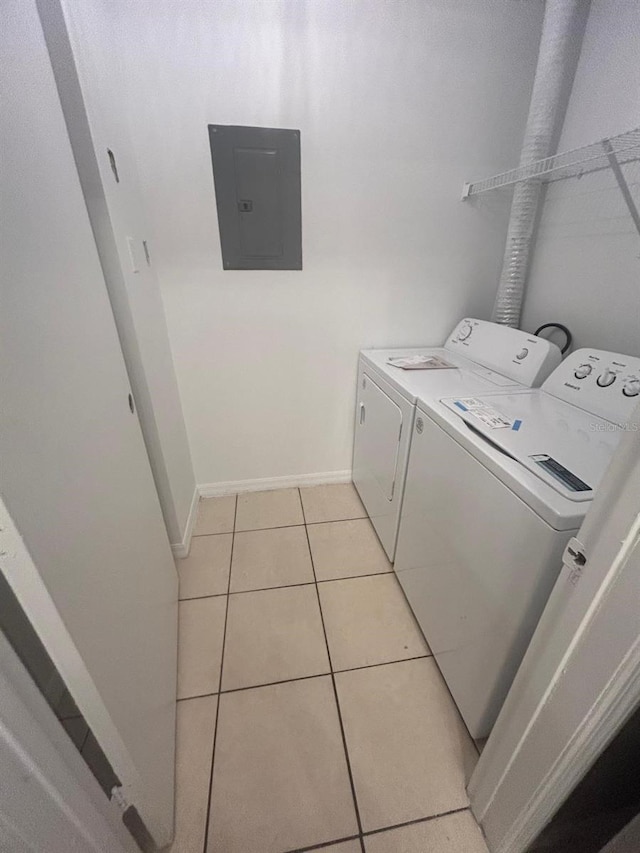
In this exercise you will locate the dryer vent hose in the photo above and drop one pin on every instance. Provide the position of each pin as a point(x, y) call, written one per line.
point(562, 30)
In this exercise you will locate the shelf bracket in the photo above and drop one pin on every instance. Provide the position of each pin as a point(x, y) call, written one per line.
point(622, 184)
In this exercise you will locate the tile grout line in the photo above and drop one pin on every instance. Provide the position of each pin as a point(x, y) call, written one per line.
point(339, 520)
point(285, 585)
point(305, 677)
point(249, 530)
point(200, 597)
point(205, 535)
point(333, 682)
point(278, 526)
point(415, 821)
point(215, 730)
point(323, 845)
point(356, 577)
point(382, 663)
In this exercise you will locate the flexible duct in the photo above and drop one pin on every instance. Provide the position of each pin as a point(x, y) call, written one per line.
point(562, 30)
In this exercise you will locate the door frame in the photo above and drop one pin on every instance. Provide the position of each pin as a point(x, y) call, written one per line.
point(26, 582)
point(50, 800)
point(579, 681)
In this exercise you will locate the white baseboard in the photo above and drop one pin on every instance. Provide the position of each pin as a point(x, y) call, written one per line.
point(234, 487)
point(181, 549)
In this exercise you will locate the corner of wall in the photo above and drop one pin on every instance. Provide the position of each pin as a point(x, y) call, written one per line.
point(181, 549)
point(265, 484)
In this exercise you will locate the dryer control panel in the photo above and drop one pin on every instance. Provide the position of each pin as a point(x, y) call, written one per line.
point(511, 352)
point(603, 383)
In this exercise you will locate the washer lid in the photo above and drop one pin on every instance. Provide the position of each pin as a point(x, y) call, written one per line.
point(565, 446)
point(466, 377)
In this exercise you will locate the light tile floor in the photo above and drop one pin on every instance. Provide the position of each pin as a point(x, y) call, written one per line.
point(311, 714)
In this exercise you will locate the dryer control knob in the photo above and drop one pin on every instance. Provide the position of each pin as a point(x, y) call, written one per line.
point(583, 371)
point(524, 352)
point(465, 331)
point(631, 387)
point(606, 378)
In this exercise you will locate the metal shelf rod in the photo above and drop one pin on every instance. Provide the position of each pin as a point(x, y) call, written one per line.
point(622, 184)
point(579, 161)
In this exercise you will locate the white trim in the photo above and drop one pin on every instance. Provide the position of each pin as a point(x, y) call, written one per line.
point(181, 549)
point(29, 588)
point(616, 702)
point(234, 487)
point(49, 799)
point(608, 695)
point(589, 695)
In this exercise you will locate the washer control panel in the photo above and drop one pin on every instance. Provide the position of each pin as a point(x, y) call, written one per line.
point(603, 383)
point(510, 352)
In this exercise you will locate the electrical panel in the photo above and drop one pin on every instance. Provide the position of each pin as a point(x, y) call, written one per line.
point(257, 183)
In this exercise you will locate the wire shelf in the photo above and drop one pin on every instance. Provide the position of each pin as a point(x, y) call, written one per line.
point(621, 149)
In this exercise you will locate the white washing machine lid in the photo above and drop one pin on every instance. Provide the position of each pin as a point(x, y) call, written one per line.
point(492, 356)
point(566, 447)
point(552, 504)
point(550, 445)
point(566, 432)
point(465, 378)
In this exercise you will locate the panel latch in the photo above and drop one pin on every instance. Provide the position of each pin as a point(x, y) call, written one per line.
point(575, 559)
point(119, 798)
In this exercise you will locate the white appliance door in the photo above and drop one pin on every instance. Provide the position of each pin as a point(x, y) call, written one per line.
point(380, 421)
point(379, 457)
point(75, 473)
point(477, 565)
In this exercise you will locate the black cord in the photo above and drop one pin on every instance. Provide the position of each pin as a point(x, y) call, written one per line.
point(562, 328)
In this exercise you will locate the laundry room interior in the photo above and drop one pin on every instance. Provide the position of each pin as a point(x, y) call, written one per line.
point(320, 436)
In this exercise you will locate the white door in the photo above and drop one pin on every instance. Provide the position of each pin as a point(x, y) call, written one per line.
point(379, 454)
point(580, 677)
point(75, 474)
point(380, 421)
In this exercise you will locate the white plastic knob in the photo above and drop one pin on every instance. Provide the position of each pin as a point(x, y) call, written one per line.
point(465, 331)
point(583, 371)
point(606, 378)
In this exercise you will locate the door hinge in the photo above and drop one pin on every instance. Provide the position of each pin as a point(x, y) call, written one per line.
point(119, 798)
point(575, 559)
point(400, 433)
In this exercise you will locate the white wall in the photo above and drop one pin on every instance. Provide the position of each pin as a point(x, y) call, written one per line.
point(398, 103)
point(96, 122)
point(586, 266)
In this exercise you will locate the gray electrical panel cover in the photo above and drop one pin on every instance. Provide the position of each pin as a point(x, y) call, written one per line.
point(257, 181)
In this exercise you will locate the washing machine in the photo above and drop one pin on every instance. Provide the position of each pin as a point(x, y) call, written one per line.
point(497, 484)
point(483, 356)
